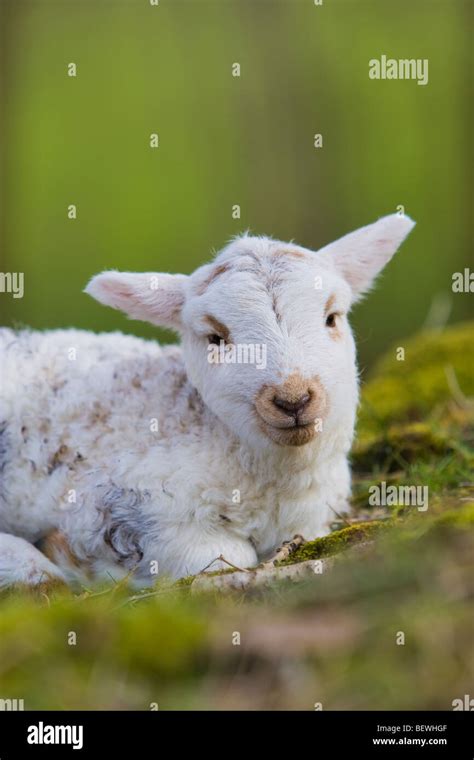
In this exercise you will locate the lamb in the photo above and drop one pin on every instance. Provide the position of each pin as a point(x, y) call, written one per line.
point(119, 457)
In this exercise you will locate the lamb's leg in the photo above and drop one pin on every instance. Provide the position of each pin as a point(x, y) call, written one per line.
point(204, 552)
point(22, 564)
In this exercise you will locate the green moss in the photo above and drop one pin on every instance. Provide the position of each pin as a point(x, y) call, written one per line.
point(421, 386)
point(416, 422)
point(337, 541)
point(184, 582)
point(400, 445)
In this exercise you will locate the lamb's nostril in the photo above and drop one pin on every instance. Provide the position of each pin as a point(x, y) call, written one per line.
point(292, 406)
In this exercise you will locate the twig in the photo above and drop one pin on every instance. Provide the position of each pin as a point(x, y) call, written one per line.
point(341, 517)
point(221, 558)
point(283, 552)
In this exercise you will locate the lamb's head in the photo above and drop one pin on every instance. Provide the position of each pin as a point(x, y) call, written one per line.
point(264, 329)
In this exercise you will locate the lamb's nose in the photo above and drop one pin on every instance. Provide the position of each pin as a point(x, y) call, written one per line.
point(292, 407)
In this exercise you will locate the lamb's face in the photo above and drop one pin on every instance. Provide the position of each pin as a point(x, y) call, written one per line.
point(264, 329)
point(267, 342)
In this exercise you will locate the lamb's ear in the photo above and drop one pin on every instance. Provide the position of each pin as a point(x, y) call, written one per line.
point(362, 254)
point(149, 296)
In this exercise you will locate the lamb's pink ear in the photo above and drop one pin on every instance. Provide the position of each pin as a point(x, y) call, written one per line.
point(149, 296)
point(362, 254)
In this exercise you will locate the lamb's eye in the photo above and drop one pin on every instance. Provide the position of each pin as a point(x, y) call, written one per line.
point(331, 320)
point(214, 339)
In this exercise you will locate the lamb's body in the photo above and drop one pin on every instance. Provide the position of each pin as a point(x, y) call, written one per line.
point(104, 440)
point(118, 456)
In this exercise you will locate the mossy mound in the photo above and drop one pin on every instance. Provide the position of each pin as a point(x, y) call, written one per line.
point(437, 371)
point(401, 445)
point(416, 421)
point(334, 638)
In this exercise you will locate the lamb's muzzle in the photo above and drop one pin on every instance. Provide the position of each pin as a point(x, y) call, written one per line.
point(288, 413)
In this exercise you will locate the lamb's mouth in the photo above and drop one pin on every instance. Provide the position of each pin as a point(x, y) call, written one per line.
point(294, 434)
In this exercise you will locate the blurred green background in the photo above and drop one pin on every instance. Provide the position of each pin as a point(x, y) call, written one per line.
point(166, 69)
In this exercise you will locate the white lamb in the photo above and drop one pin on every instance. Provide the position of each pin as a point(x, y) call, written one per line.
point(121, 457)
